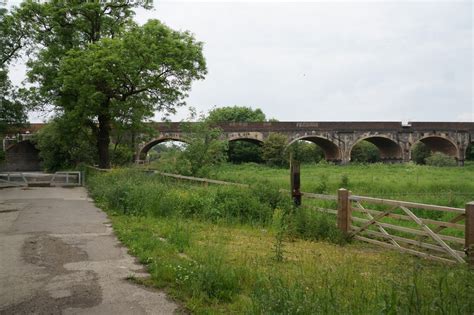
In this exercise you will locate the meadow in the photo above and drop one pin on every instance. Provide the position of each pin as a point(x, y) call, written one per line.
point(222, 250)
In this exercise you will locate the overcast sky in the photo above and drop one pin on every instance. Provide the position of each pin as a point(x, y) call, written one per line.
point(378, 60)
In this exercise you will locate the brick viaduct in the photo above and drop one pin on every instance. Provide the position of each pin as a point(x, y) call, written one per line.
point(394, 139)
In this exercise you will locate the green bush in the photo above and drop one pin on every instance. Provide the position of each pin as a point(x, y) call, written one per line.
point(365, 152)
point(420, 153)
point(440, 159)
point(121, 154)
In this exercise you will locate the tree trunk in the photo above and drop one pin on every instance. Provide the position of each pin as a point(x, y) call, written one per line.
point(103, 141)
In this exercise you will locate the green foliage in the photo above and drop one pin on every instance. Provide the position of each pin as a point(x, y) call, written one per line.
point(205, 148)
point(440, 159)
point(214, 278)
point(306, 152)
point(133, 193)
point(321, 184)
point(180, 236)
point(165, 149)
point(470, 152)
point(64, 145)
point(95, 64)
point(241, 204)
point(365, 152)
point(268, 193)
point(280, 226)
point(420, 153)
point(344, 181)
point(12, 112)
point(274, 150)
point(239, 151)
point(236, 114)
point(121, 154)
point(314, 225)
point(230, 268)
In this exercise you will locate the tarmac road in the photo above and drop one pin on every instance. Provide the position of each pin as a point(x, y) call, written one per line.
point(58, 255)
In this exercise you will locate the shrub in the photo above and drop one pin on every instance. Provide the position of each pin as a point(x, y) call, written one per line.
point(120, 154)
point(440, 159)
point(365, 152)
point(420, 153)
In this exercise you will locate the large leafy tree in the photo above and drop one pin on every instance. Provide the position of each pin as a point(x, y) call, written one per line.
point(95, 66)
point(12, 112)
point(149, 68)
point(239, 151)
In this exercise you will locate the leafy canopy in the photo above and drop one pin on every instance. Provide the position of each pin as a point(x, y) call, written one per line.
point(99, 69)
point(150, 68)
point(236, 114)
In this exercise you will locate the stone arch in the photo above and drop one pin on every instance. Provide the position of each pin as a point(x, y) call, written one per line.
point(390, 150)
point(22, 156)
point(440, 144)
point(244, 149)
point(253, 137)
point(144, 150)
point(332, 152)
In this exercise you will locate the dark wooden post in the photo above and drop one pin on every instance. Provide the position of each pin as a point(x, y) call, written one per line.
point(343, 211)
point(295, 182)
point(469, 233)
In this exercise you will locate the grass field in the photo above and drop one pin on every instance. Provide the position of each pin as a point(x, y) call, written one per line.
point(448, 186)
point(225, 250)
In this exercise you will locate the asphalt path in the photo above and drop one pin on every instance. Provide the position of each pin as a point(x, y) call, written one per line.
point(59, 255)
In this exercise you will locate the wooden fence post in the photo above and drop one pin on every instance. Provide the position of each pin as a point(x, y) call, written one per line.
point(343, 211)
point(295, 182)
point(469, 233)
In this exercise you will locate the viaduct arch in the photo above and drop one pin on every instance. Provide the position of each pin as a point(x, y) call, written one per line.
point(21, 156)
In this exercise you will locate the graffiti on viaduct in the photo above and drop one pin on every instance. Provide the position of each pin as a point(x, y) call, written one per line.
point(337, 139)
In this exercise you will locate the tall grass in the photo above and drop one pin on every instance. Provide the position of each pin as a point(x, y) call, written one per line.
point(214, 248)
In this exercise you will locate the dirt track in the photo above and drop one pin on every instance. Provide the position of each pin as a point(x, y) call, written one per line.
point(58, 255)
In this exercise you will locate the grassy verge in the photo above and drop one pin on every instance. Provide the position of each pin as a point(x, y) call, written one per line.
point(226, 250)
